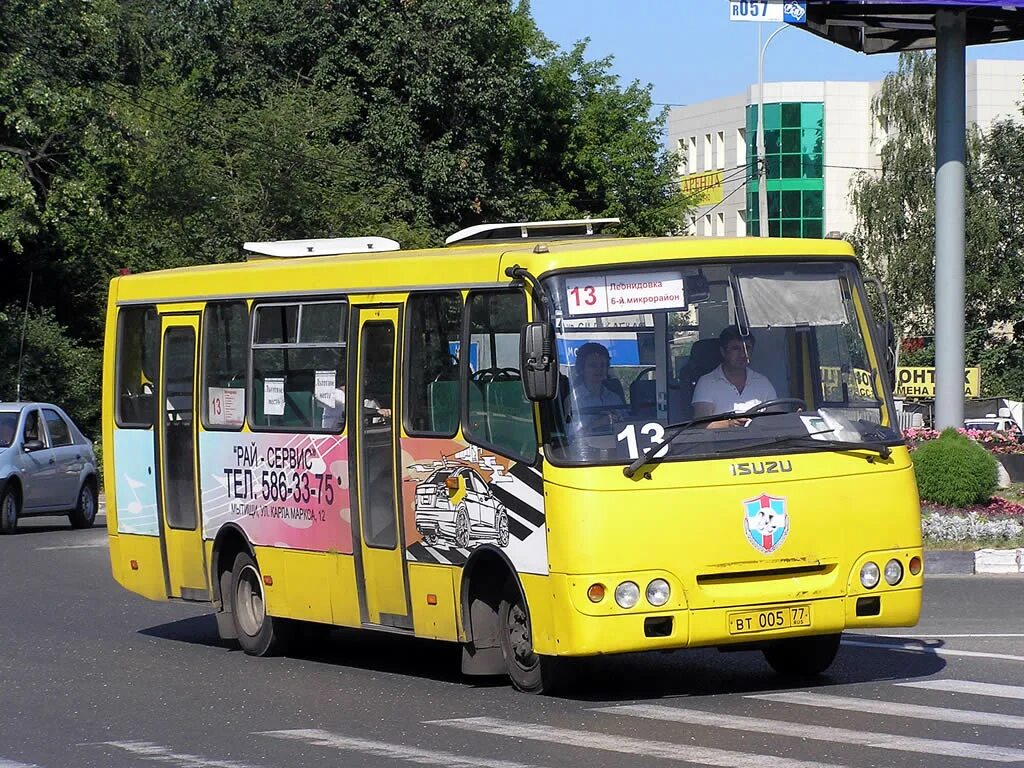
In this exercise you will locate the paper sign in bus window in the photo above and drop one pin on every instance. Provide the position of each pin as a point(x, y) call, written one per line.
point(273, 397)
point(599, 294)
point(226, 406)
point(324, 387)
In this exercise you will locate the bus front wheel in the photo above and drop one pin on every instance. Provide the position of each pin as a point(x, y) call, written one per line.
point(259, 634)
point(801, 657)
point(529, 671)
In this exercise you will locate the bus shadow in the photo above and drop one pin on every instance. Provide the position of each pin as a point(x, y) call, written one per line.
point(605, 679)
point(709, 672)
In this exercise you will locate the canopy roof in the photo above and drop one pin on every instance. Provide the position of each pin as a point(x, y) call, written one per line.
point(876, 26)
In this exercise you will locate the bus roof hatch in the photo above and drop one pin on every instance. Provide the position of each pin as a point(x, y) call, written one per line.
point(525, 230)
point(331, 246)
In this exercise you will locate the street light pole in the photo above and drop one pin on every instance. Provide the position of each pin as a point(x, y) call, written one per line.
point(762, 166)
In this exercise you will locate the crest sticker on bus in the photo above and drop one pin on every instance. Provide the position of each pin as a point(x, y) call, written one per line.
point(766, 522)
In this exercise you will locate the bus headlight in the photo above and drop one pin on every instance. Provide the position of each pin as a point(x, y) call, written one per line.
point(658, 592)
point(893, 572)
point(627, 594)
point(869, 575)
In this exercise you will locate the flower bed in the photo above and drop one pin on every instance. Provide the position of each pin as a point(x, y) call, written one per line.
point(996, 442)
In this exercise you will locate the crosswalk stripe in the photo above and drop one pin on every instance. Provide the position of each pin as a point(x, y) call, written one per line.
point(680, 753)
point(966, 686)
point(12, 764)
point(147, 750)
point(100, 545)
point(416, 755)
point(820, 733)
point(919, 648)
point(894, 709)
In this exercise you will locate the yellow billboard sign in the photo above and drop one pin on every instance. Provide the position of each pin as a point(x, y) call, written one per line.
point(706, 187)
point(919, 381)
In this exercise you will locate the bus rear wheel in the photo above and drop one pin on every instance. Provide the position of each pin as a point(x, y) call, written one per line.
point(802, 657)
point(259, 634)
point(529, 671)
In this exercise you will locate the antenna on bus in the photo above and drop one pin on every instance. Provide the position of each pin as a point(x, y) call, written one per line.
point(24, 327)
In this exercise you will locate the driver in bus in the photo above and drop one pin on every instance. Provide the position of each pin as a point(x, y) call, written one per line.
point(733, 385)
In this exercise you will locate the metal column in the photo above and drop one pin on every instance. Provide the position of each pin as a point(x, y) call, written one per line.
point(950, 142)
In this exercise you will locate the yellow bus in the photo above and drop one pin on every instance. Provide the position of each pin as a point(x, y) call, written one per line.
point(540, 441)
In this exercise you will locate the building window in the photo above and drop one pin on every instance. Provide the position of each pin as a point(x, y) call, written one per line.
point(708, 157)
point(707, 225)
point(720, 224)
point(720, 151)
point(741, 224)
point(683, 156)
point(741, 147)
point(691, 154)
point(794, 138)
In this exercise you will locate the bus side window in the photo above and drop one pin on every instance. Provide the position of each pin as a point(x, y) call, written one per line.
point(298, 366)
point(432, 351)
point(225, 359)
point(499, 415)
point(137, 352)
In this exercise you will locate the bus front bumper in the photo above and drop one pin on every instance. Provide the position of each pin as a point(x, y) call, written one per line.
point(622, 631)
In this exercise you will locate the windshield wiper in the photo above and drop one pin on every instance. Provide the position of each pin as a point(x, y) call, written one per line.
point(672, 431)
point(883, 450)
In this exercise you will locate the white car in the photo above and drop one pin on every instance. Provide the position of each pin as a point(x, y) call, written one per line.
point(457, 505)
point(47, 466)
point(991, 424)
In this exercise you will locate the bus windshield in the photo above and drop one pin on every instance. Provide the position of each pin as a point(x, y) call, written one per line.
point(778, 349)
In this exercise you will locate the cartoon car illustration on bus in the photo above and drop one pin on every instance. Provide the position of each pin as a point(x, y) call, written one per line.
point(455, 504)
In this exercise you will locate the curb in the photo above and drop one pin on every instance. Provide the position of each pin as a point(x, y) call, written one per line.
point(984, 561)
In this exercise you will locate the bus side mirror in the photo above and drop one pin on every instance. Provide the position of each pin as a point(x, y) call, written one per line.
point(538, 362)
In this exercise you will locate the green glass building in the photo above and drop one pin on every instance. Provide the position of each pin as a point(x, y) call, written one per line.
point(794, 143)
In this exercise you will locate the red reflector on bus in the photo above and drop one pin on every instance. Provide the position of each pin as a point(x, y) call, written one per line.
point(915, 565)
point(268, 580)
point(431, 599)
point(134, 564)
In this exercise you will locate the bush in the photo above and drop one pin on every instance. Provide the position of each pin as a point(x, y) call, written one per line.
point(954, 471)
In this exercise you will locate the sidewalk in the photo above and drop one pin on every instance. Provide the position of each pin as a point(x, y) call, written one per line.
point(938, 562)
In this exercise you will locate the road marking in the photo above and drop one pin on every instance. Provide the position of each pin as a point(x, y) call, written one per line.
point(896, 742)
point(894, 709)
point(147, 750)
point(667, 750)
point(966, 686)
point(320, 738)
point(940, 637)
point(100, 545)
point(12, 764)
point(918, 648)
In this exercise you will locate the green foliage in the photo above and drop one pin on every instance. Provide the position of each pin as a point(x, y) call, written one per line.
point(53, 369)
point(954, 470)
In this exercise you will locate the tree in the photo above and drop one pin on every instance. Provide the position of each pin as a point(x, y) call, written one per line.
point(895, 232)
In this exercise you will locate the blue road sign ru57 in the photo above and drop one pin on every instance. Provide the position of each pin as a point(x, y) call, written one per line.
point(789, 11)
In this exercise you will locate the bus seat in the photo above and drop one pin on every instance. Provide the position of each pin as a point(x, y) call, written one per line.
point(510, 416)
point(444, 406)
point(643, 398)
point(704, 358)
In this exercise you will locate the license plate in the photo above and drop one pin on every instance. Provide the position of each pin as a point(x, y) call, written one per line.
point(769, 619)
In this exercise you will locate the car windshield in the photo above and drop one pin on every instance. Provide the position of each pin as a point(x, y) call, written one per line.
point(8, 427)
point(649, 348)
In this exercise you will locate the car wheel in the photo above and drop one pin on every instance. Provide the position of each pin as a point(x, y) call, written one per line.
point(10, 509)
point(84, 515)
point(462, 528)
point(259, 634)
point(802, 657)
point(528, 671)
point(501, 527)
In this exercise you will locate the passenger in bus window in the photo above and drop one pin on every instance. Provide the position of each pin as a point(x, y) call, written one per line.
point(333, 416)
point(592, 389)
point(733, 385)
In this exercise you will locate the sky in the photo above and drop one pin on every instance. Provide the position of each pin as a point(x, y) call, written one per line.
point(690, 51)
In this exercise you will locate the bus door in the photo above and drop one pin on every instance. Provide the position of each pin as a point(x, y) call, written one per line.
point(373, 414)
point(181, 535)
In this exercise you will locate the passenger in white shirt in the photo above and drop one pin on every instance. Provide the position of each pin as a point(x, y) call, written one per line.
point(733, 385)
point(334, 415)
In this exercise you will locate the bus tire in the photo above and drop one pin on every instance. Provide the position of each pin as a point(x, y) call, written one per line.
point(10, 509)
point(259, 634)
point(802, 657)
point(529, 671)
point(84, 513)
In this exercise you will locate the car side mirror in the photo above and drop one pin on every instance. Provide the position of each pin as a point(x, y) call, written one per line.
point(32, 445)
point(538, 362)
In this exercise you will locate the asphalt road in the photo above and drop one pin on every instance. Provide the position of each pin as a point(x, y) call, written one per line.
point(91, 675)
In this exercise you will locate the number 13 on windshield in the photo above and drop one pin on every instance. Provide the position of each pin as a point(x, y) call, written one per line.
point(653, 431)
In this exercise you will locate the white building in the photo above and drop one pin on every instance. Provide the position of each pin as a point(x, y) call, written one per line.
point(817, 136)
